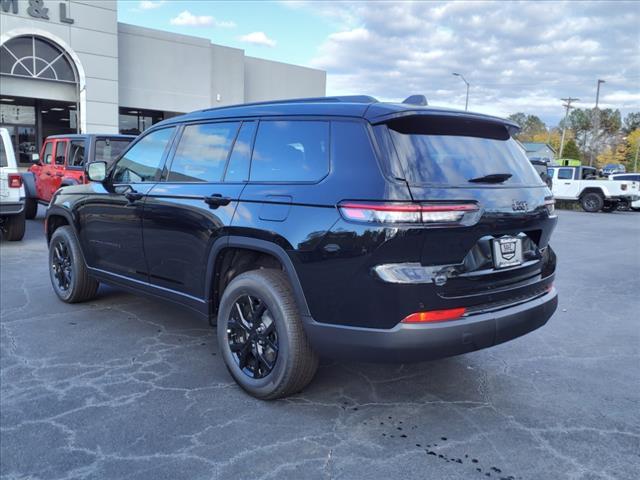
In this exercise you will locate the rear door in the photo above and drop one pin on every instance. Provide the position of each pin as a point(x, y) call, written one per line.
point(194, 204)
point(459, 163)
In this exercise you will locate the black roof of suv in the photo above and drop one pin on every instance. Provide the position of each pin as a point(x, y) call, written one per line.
point(338, 226)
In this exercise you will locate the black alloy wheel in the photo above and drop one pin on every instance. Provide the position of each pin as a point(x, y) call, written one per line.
point(252, 337)
point(69, 275)
point(62, 265)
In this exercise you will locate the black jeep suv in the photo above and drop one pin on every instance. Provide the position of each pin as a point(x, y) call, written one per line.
point(339, 226)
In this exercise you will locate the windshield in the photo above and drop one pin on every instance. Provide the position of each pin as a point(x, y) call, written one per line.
point(454, 151)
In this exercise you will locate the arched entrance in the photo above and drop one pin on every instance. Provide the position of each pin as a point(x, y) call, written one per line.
point(42, 90)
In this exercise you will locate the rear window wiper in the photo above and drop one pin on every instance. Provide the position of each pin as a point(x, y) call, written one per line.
point(492, 178)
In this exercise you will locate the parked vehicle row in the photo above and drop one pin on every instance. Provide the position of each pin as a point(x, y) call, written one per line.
point(581, 184)
point(342, 227)
point(61, 163)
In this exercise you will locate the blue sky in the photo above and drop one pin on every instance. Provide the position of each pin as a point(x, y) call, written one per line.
point(517, 56)
point(297, 32)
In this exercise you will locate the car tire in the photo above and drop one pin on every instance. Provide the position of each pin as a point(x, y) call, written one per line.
point(609, 207)
point(592, 202)
point(30, 208)
point(68, 272)
point(14, 227)
point(270, 317)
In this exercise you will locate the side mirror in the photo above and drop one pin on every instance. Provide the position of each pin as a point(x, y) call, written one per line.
point(35, 158)
point(97, 171)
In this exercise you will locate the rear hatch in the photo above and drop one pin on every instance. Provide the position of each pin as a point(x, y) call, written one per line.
point(493, 253)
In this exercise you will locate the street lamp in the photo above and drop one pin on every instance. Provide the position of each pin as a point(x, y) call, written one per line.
point(466, 103)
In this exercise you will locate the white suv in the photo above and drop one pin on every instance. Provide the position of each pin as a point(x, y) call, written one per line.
point(12, 219)
point(628, 177)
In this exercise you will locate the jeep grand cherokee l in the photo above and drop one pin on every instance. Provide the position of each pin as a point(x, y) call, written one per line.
point(342, 227)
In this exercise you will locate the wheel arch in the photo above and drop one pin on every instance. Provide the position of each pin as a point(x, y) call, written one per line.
point(256, 245)
point(597, 190)
point(29, 182)
point(57, 217)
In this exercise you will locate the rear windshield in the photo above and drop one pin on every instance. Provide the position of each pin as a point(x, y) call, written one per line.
point(446, 151)
point(108, 149)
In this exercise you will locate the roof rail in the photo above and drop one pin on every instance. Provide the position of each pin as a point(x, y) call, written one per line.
point(345, 99)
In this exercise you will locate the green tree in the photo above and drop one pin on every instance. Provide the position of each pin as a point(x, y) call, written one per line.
point(571, 150)
point(530, 126)
point(631, 122)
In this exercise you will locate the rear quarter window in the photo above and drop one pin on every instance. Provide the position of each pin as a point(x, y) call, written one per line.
point(109, 149)
point(290, 151)
point(3, 155)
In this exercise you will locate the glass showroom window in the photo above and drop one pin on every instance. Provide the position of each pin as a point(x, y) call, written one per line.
point(34, 57)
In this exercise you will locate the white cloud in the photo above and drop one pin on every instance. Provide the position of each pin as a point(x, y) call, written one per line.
point(514, 56)
point(151, 4)
point(258, 38)
point(186, 18)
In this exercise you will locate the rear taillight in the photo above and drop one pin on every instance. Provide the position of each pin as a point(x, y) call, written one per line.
point(15, 180)
point(405, 212)
point(550, 204)
point(435, 315)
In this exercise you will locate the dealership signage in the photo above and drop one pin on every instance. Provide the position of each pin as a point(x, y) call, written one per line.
point(37, 9)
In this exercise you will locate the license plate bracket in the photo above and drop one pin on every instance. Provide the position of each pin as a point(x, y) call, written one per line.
point(507, 252)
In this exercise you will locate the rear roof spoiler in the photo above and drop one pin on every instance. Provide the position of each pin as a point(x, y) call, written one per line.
point(511, 127)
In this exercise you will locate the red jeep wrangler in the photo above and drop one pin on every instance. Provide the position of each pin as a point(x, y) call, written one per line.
point(62, 162)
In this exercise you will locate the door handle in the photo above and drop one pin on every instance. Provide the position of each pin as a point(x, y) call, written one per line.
point(59, 174)
point(133, 196)
point(47, 174)
point(567, 183)
point(217, 200)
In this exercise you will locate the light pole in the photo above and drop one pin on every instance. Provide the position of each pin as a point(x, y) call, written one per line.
point(466, 103)
point(596, 125)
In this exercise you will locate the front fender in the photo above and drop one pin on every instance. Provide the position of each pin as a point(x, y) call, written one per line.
point(58, 211)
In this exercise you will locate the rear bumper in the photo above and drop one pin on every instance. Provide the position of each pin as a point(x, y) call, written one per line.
point(418, 342)
point(11, 208)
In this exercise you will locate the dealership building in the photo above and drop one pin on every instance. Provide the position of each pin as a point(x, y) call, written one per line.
point(70, 66)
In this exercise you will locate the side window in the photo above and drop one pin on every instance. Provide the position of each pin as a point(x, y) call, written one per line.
point(290, 151)
point(202, 152)
point(238, 168)
point(76, 154)
point(565, 173)
point(48, 153)
point(142, 162)
point(61, 152)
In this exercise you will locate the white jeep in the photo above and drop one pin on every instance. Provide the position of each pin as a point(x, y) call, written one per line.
point(12, 219)
point(582, 185)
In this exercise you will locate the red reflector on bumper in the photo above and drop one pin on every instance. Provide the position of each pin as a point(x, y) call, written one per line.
point(435, 315)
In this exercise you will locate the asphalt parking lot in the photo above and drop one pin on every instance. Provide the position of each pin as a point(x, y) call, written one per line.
point(126, 387)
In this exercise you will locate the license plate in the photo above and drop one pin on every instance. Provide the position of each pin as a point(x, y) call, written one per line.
point(507, 252)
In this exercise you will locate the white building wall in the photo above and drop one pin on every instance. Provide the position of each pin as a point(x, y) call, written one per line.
point(163, 71)
point(268, 80)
